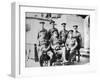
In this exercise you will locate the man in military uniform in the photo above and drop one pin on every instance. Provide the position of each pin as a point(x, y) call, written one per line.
point(63, 37)
point(55, 47)
point(42, 45)
point(63, 34)
point(42, 35)
point(77, 35)
point(50, 33)
point(70, 46)
point(53, 35)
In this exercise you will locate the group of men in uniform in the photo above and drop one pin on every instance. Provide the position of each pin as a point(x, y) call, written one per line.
point(54, 41)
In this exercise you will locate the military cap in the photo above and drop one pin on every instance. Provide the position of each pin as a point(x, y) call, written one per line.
point(42, 22)
point(70, 31)
point(52, 22)
point(63, 23)
point(75, 26)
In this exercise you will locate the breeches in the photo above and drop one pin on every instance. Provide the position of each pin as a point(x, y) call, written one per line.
point(70, 55)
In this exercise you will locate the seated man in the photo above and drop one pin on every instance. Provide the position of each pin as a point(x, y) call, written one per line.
point(70, 46)
point(54, 43)
point(44, 58)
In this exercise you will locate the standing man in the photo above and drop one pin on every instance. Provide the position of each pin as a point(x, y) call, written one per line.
point(50, 33)
point(63, 34)
point(77, 35)
point(42, 35)
point(42, 41)
point(63, 37)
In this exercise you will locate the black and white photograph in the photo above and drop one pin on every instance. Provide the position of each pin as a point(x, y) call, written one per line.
point(56, 39)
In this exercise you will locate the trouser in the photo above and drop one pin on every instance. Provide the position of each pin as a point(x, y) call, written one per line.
point(44, 58)
point(78, 51)
point(67, 54)
point(70, 55)
point(53, 59)
point(58, 55)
